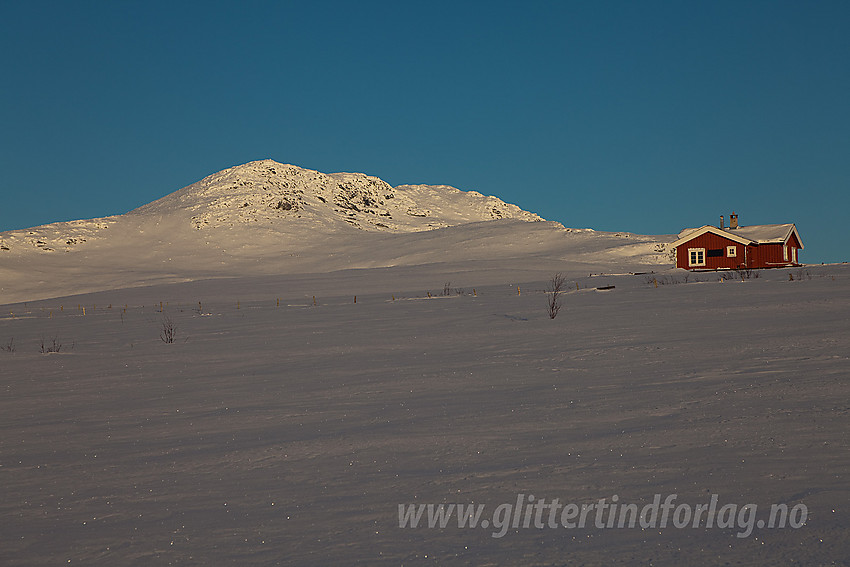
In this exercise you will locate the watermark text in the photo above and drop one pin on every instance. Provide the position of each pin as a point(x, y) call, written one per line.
point(606, 513)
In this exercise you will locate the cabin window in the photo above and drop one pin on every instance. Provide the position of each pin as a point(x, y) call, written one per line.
point(794, 255)
point(731, 251)
point(696, 256)
point(718, 253)
point(785, 253)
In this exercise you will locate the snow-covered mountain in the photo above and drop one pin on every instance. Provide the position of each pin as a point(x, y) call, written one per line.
point(267, 193)
point(266, 217)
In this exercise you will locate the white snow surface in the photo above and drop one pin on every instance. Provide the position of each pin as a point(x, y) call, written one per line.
point(270, 218)
point(276, 431)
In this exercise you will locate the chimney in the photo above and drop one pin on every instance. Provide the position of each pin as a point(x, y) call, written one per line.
point(722, 223)
point(733, 220)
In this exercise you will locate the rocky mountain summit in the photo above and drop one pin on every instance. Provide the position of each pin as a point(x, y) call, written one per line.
point(267, 192)
point(265, 218)
point(282, 198)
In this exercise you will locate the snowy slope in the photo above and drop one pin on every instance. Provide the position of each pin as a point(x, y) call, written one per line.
point(282, 433)
point(268, 218)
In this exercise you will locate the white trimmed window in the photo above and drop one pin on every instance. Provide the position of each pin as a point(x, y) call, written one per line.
point(696, 257)
point(785, 253)
point(731, 251)
point(794, 255)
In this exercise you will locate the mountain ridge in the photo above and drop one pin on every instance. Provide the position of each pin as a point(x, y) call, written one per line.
point(266, 218)
point(266, 191)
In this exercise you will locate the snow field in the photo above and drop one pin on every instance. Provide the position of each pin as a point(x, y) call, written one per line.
point(289, 435)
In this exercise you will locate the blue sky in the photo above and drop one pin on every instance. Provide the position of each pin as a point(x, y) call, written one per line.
point(624, 116)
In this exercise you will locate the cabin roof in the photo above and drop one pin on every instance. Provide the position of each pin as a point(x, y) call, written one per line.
point(753, 234)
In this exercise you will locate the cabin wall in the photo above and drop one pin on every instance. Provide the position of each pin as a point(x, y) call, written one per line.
point(773, 255)
point(711, 242)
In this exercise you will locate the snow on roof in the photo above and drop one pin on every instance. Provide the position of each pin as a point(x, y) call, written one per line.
point(754, 234)
point(686, 231)
point(765, 233)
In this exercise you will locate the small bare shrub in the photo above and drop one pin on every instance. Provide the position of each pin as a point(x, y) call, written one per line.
point(665, 280)
point(10, 346)
point(167, 330)
point(554, 291)
point(53, 346)
point(747, 273)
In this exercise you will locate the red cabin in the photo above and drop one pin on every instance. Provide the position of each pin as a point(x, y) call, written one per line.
point(736, 247)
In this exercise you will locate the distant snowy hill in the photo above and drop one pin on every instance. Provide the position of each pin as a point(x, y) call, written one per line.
point(266, 193)
point(266, 218)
